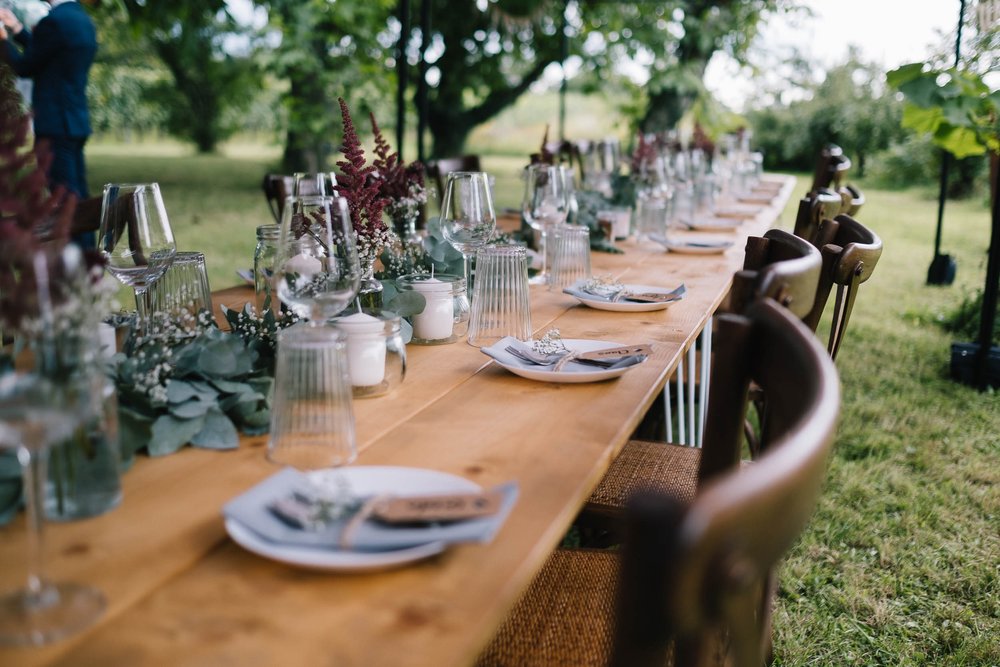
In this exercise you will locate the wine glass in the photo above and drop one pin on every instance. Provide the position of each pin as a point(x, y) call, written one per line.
point(135, 238)
point(467, 216)
point(544, 207)
point(34, 414)
point(316, 265)
point(323, 183)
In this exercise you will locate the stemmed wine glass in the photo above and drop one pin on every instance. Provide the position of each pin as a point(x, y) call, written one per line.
point(544, 207)
point(323, 183)
point(34, 414)
point(316, 265)
point(135, 238)
point(467, 216)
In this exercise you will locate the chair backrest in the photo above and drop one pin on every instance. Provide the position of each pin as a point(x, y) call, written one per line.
point(815, 207)
point(688, 572)
point(831, 168)
point(276, 187)
point(850, 252)
point(781, 266)
point(439, 169)
point(854, 199)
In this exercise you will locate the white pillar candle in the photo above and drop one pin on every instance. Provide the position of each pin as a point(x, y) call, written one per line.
point(365, 348)
point(438, 317)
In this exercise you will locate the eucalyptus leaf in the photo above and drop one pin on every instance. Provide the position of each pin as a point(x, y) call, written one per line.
point(230, 386)
point(170, 433)
point(406, 303)
point(191, 409)
point(217, 432)
point(179, 391)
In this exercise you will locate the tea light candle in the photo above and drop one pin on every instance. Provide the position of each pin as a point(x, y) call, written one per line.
point(437, 320)
point(365, 348)
point(305, 265)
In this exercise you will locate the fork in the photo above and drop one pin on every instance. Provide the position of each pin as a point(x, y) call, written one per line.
point(556, 359)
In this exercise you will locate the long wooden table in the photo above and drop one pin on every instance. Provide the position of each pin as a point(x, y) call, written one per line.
point(180, 592)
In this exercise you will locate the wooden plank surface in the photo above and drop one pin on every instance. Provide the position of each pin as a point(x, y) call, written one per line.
point(180, 592)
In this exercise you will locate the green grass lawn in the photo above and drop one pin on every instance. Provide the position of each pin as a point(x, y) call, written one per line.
point(901, 563)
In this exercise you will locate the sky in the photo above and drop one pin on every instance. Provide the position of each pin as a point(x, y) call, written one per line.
point(887, 32)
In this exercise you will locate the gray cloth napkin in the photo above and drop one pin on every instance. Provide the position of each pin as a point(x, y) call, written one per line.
point(251, 509)
point(498, 351)
point(581, 293)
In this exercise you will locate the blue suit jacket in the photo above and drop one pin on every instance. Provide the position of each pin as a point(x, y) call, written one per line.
point(57, 57)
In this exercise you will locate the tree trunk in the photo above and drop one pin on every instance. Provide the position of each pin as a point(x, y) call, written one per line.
point(305, 151)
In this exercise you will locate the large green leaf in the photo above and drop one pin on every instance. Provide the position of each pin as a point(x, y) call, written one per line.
point(217, 432)
point(923, 91)
point(904, 73)
point(170, 433)
point(920, 119)
point(959, 141)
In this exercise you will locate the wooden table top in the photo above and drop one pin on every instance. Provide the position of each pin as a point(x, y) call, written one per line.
point(181, 592)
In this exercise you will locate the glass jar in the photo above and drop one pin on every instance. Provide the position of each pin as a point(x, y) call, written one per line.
point(445, 316)
point(376, 353)
point(263, 264)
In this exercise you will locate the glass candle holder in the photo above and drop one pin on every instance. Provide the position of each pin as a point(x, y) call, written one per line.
point(445, 317)
point(376, 354)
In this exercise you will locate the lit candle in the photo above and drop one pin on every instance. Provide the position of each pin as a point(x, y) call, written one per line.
point(365, 348)
point(438, 317)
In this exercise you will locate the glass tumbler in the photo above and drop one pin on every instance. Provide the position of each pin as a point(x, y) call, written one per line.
point(312, 420)
point(183, 290)
point(570, 256)
point(264, 253)
point(500, 297)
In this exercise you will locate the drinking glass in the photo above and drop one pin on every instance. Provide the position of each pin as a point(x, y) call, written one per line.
point(544, 207)
point(312, 419)
point(500, 298)
point(323, 183)
point(316, 270)
point(183, 288)
point(34, 414)
point(467, 216)
point(570, 255)
point(135, 238)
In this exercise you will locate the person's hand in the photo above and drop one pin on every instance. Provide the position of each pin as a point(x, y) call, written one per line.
point(9, 21)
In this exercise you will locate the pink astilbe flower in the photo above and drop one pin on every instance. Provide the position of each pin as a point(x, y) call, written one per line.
point(358, 185)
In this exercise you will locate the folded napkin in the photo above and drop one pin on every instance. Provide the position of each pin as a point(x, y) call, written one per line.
point(253, 510)
point(579, 292)
point(499, 352)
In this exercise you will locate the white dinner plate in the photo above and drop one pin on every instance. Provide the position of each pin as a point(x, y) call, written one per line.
point(363, 481)
point(594, 301)
point(715, 224)
point(571, 374)
point(696, 247)
point(744, 212)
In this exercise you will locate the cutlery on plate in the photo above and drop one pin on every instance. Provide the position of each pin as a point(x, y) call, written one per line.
point(624, 294)
point(601, 358)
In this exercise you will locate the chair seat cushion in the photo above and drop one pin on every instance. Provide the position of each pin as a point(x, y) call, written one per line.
point(646, 465)
point(565, 616)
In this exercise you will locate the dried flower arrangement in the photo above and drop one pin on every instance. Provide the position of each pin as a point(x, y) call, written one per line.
point(402, 186)
point(361, 188)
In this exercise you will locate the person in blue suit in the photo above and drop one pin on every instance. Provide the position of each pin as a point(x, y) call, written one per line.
point(57, 56)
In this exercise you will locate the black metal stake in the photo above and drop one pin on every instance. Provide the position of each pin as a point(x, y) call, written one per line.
point(988, 315)
point(563, 55)
point(942, 268)
point(422, 101)
point(402, 74)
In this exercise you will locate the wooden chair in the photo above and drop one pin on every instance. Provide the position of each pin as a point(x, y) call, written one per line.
point(438, 170)
point(854, 199)
point(692, 573)
point(850, 252)
point(815, 207)
point(831, 168)
point(276, 187)
point(778, 266)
